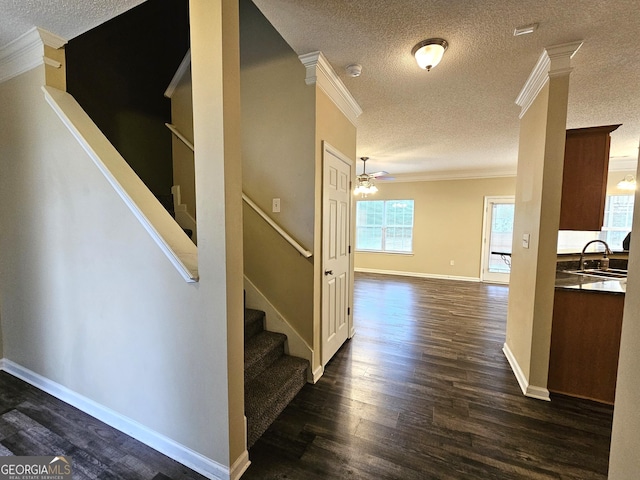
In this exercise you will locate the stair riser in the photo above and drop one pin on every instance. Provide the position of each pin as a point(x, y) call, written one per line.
point(254, 324)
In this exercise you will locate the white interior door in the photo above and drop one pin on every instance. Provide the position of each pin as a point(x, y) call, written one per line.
point(497, 237)
point(336, 228)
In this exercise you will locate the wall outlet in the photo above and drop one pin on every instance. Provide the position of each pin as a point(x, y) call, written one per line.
point(452, 262)
point(275, 205)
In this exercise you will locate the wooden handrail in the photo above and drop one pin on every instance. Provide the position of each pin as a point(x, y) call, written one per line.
point(303, 251)
point(177, 133)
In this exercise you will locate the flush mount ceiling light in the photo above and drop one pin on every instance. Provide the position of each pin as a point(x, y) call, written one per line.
point(627, 183)
point(428, 53)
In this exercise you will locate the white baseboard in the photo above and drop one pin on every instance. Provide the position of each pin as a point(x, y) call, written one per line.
point(417, 274)
point(532, 391)
point(317, 373)
point(178, 452)
point(276, 322)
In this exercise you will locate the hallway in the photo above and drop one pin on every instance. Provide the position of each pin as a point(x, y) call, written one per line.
point(423, 391)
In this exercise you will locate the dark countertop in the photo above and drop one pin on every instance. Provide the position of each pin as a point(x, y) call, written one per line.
point(588, 283)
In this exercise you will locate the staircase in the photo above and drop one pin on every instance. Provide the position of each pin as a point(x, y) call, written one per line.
point(271, 378)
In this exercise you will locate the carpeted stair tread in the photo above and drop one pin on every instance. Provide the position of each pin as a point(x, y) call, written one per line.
point(267, 395)
point(253, 322)
point(260, 351)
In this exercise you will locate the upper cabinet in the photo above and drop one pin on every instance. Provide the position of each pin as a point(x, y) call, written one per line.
point(584, 182)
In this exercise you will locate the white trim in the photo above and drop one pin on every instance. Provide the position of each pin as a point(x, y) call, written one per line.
point(303, 251)
point(182, 69)
point(554, 61)
point(449, 175)
point(276, 322)
point(26, 52)
point(51, 62)
point(242, 463)
point(532, 391)
point(417, 274)
point(51, 39)
point(320, 72)
point(178, 452)
point(178, 248)
point(317, 373)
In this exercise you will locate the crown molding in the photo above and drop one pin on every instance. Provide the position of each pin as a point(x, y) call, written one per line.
point(26, 52)
point(182, 69)
point(554, 61)
point(320, 72)
point(450, 175)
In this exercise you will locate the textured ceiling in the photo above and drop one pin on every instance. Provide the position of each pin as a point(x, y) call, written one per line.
point(458, 119)
point(65, 18)
point(461, 117)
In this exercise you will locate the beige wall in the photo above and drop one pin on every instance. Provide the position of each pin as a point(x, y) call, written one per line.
point(278, 131)
point(447, 226)
point(624, 461)
point(183, 166)
point(90, 302)
point(537, 213)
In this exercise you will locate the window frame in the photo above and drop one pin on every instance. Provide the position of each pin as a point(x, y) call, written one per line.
point(384, 226)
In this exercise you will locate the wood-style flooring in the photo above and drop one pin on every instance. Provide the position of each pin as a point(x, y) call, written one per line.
point(35, 423)
point(423, 391)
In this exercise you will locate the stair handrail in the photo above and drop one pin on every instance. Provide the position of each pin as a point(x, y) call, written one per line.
point(303, 251)
point(179, 135)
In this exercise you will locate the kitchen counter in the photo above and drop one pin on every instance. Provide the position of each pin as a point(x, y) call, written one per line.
point(588, 283)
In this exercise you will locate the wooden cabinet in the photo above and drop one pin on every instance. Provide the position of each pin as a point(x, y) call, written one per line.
point(585, 344)
point(584, 182)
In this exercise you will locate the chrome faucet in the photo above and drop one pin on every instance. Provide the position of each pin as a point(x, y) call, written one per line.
point(607, 251)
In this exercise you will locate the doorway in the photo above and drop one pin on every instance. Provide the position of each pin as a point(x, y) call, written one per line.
point(496, 238)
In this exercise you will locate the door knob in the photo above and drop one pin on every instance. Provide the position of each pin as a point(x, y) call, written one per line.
point(328, 272)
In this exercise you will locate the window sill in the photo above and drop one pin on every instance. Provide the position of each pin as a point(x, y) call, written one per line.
point(406, 254)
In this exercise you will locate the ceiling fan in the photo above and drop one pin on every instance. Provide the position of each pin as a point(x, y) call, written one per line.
point(365, 184)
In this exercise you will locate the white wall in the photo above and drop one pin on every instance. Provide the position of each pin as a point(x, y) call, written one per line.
point(88, 299)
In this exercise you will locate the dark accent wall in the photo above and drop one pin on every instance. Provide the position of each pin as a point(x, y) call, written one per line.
point(118, 73)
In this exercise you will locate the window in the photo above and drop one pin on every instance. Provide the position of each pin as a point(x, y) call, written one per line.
point(618, 217)
point(384, 225)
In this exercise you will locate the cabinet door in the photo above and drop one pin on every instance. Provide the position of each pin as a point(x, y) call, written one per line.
point(584, 183)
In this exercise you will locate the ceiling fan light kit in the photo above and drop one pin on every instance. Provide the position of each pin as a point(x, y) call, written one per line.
point(365, 183)
point(428, 53)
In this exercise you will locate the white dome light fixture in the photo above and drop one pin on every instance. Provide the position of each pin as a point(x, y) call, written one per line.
point(428, 53)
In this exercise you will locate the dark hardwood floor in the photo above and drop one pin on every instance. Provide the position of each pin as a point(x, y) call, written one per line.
point(35, 423)
point(423, 391)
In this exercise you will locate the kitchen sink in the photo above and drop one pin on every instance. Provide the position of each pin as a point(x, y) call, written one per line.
point(596, 272)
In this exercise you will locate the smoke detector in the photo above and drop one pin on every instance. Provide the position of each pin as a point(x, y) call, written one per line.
point(354, 70)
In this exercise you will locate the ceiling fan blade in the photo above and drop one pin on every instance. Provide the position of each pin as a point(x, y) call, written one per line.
point(378, 174)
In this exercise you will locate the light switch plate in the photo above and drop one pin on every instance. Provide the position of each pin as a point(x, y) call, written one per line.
point(525, 240)
point(275, 205)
